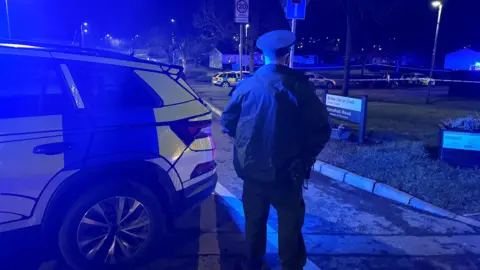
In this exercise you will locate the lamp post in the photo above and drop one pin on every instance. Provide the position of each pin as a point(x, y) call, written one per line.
point(439, 5)
point(247, 26)
point(172, 21)
point(83, 32)
point(8, 19)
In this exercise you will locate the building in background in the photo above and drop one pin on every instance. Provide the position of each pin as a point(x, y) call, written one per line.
point(222, 59)
point(465, 59)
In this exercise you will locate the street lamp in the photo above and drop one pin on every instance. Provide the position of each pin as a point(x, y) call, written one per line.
point(439, 5)
point(83, 32)
point(436, 4)
point(172, 20)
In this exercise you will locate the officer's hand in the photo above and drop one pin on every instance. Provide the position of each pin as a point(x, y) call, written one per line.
point(297, 170)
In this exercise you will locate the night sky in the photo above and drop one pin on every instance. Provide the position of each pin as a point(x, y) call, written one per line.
point(413, 23)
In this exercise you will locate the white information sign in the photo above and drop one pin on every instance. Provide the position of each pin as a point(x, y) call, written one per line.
point(353, 104)
point(241, 11)
point(461, 141)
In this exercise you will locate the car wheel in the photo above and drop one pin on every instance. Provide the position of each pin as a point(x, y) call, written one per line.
point(111, 227)
point(329, 85)
point(225, 85)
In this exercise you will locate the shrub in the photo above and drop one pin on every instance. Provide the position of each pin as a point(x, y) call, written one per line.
point(469, 123)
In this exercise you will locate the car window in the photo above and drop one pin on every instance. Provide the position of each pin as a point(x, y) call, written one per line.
point(222, 75)
point(112, 87)
point(32, 86)
point(310, 76)
point(170, 91)
point(232, 75)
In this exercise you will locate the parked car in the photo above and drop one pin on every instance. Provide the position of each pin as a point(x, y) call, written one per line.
point(100, 151)
point(416, 79)
point(228, 79)
point(320, 81)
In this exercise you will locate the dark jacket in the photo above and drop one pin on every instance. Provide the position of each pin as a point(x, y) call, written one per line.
point(275, 118)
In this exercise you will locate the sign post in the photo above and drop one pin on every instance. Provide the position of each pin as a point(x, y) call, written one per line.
point(295, 10)
point(242, 17)
point(348, 109)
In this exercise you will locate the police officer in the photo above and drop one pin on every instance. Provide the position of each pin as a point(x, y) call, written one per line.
point(279, 126)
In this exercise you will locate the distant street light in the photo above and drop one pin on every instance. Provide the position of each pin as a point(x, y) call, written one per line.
point(439, 5)
point(83, 31)
point(172, 20)
point(436, 4)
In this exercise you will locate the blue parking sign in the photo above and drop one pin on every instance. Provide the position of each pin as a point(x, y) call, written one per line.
point(296, 9)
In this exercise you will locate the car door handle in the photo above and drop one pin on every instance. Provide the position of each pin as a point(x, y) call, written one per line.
point(51, 149)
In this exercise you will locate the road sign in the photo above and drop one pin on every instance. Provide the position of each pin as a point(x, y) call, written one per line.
point(241, 11)
point(352, 110)
point(296, 9)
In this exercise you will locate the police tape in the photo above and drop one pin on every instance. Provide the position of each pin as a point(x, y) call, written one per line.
point(409, 80)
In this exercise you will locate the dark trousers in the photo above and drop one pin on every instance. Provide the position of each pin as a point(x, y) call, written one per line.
point(287, 198)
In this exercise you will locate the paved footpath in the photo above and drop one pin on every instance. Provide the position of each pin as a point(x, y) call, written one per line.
point(345, 228)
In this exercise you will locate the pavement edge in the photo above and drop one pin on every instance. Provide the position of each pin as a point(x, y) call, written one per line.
point(388, 192)
point(377, 188)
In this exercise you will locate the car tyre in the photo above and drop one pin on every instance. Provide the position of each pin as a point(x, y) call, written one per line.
point(140, 207)
point(225, 85)
point(330, 85)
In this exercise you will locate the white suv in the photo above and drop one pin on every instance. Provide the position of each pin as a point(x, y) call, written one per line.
point(99, 150)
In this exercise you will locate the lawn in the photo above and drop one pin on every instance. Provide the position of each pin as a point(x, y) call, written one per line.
point(402, 132)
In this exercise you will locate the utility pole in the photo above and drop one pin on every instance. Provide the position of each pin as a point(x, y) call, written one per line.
point(292, 49)
point(8, 20)
point(434, 53)
point(240, 50)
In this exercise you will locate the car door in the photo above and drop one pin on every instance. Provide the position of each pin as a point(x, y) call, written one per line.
point(321, 80)
point(42, 129)
point(312, 80)
point(232, 78)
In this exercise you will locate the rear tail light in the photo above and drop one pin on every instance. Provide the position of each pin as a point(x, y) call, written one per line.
point(203, 168)
point(188, 132)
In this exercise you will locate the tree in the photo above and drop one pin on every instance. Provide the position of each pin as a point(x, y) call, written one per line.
point(355, 12)
point(213, 24)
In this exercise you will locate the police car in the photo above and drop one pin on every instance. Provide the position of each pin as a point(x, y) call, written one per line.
point(98, 150)
point(320, 81)
point(417, 79)
point(228, 79)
